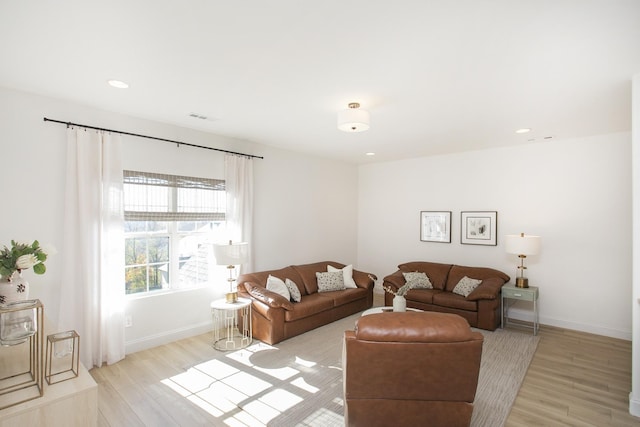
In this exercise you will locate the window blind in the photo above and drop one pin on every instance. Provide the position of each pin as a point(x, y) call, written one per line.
point(162, 197)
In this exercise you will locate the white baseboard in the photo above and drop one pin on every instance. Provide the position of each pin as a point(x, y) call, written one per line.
point(167, 337)
point(634, 405)
point(527, 315)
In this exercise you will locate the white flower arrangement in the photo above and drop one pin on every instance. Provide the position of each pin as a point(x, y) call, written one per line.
point(402, 291)
point(22, 256)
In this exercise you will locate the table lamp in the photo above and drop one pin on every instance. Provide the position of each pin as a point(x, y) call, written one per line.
point(522, 245)
point(231, 254)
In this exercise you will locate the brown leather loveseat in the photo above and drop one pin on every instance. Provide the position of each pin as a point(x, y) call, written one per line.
point(276, 318)
point(410, 369)
point(481, 307)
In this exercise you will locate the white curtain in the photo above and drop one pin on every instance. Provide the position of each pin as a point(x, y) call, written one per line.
point(92, 291)
point(239, 186)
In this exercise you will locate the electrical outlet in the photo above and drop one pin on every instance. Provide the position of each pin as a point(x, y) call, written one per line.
point(128, 321)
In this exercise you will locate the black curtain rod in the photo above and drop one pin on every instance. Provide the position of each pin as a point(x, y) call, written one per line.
point(152, 137)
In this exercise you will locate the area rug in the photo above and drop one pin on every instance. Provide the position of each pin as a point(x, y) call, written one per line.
point(299, 382)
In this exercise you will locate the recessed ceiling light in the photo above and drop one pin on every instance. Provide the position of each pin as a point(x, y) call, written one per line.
point(523, 130)
point(118, 84)
point(370, 154)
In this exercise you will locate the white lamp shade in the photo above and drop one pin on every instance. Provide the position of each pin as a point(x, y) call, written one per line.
point(353, 120)
point(521, 244)
point(231, 253)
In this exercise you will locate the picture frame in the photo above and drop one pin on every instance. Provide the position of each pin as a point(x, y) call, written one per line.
point(435, 226)
point(479, 228)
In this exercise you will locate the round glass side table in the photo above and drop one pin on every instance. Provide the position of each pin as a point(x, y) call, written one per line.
point(231, 324)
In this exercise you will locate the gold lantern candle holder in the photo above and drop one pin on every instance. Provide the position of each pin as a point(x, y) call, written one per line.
point(63, 357)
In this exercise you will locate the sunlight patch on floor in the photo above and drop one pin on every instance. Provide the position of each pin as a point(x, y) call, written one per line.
point(303, 362)
point(193, 380)
point(260, 411)
point(279, 373)
point(325, 418)
point(241, 399)
point(281, 399)
point(216, 369)
point(205, 406)
point(301, 383)
point(246, 383)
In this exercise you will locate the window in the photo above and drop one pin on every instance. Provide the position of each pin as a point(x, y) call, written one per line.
point(171, 223)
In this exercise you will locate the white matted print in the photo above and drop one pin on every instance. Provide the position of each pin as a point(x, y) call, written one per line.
point(479, 228)
point(435, 226)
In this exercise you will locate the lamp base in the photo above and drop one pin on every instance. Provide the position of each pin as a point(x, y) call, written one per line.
point(232, 297)
point(522, 282)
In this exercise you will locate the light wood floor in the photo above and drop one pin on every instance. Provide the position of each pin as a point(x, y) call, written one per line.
point(575, 379)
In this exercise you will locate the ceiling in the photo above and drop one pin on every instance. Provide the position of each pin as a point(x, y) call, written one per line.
point(437, 76)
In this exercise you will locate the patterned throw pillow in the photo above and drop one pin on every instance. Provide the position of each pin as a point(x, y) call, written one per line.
point(418, 280)
point(293, 290)
point(276, 285)
point(330, 281)
point(465, 286)
point(347, 273)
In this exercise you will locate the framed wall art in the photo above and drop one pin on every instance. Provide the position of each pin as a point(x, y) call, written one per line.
point(435, 226)
point(479, 228)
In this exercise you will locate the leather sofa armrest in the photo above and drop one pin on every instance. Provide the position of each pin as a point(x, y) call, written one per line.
point(364, 280)
point(269, 298)
point(488, 289)
point(394, 281)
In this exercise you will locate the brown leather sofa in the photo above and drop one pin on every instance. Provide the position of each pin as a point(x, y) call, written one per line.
point(410, 369)
point(481, 308)
point(275, 318)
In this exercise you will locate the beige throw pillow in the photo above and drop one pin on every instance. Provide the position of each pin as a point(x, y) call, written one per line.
point(465, 286)
point(330, 281)
point(276, 285)
point(347, 275)
point(293, 290)
point(417, 280)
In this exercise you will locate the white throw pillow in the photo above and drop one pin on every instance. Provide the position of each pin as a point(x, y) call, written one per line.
point(465, 286)
point(293, 290)
point(417, 280)
point(330, 281)
point(277, 285)
point(347, 275)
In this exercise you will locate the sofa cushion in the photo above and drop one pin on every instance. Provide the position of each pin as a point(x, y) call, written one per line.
point(466, 285)
point(422, 295)
point(417, 280)
point(458, 272)
point(294, 291)
point(437, 272)
point(344, 297)
point(451, 300)
point(277, 285)
point(309, 306)
point(347, 273)
point(330, 281)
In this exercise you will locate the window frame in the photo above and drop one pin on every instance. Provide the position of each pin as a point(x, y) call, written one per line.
point(172, 216)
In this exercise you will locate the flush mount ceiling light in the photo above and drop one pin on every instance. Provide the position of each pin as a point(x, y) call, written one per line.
point(353, 119)
point(118, 84)
point(523, 130)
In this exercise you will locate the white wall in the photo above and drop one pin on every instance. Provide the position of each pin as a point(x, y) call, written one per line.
point(634, 396)
point(576, 194)
point(305, 207)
